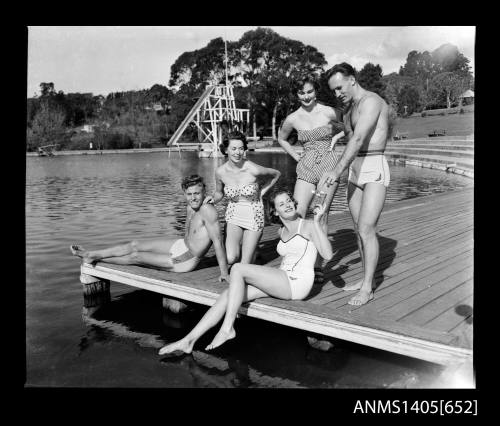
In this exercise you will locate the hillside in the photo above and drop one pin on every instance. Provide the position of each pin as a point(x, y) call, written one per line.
point(454, 124)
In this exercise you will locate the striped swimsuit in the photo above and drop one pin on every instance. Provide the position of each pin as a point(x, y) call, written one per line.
point(317, 158)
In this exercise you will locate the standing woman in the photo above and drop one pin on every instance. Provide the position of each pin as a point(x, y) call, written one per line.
point(318, 129)
point(237, 179)
point(300, 242)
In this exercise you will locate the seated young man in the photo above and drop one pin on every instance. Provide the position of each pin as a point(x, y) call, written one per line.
point(178, 255)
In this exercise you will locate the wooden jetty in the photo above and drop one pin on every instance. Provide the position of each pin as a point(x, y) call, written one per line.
point(423, 304)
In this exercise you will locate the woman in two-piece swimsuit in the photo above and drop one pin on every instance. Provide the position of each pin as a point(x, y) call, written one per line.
point(300, 242)
point(318, 128)
point(236, 180)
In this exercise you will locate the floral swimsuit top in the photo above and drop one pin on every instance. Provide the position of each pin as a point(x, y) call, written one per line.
point(249, 191)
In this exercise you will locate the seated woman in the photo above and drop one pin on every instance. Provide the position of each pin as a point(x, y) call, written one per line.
point(236, 179)
point(300, 242)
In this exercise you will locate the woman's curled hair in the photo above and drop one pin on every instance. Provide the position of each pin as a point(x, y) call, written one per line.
point(232, 135)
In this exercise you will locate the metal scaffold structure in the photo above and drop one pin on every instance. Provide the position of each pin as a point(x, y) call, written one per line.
point(215, 108)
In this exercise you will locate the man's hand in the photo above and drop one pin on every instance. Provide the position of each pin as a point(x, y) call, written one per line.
point(224, 278)
point(328, 178)
point(209, 199)
point(299, 156)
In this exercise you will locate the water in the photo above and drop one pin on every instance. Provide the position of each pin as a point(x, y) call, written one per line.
point(98, 201)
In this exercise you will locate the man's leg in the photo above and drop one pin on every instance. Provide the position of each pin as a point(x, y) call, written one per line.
point(371, 207)
point(143, 258)
point(354, 199)
point(157, 245)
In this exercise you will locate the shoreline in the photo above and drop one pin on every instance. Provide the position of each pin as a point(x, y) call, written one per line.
point(446, 166)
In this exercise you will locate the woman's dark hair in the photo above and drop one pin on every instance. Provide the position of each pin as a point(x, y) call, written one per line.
point(232, 135)
point(300, 83)
point(272, 198)
point(192, 180)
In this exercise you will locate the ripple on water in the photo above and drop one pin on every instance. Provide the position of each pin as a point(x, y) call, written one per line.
point(97, 201)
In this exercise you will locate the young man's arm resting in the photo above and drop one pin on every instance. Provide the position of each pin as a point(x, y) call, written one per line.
point(211, 222)
point(368, 115)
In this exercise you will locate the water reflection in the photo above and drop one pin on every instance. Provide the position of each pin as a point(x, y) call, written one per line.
point(99, 201)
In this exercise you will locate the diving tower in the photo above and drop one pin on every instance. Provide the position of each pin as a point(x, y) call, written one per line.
point(215, 107)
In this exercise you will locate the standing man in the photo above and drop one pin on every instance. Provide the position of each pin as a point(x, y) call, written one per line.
point(177, 255)
point(366, 121)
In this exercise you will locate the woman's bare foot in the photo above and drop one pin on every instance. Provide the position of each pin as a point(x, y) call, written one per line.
point(182, 345)
point(353, 287)
point(220, 338)
point(361, 298)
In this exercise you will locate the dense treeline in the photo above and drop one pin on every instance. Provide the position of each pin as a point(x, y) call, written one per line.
point(263, 68)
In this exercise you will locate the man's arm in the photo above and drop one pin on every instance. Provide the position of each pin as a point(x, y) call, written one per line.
point(211, 222)
point(369, 112)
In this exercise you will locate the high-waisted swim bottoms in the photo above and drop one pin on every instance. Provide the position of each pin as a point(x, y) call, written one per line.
point(245, 209)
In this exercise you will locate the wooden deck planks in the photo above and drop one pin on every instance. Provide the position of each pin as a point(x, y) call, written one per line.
point(424, 276)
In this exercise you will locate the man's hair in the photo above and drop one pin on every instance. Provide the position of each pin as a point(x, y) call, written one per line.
point(344, 68)
point(301, 82)
point(192, 180)
point(232, 135)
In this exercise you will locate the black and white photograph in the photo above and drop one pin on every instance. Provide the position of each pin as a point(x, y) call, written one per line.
point(250, 207)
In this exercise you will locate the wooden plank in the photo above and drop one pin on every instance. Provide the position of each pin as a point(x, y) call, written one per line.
point(433, 236)
point(322, 324)
point(450, 319)
point(436, 307)
point(414, 301)
point(405, 277)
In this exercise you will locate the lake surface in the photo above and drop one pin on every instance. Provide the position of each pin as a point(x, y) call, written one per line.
point(97, 201)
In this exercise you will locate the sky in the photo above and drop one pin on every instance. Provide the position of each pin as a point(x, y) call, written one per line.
point(101, 60)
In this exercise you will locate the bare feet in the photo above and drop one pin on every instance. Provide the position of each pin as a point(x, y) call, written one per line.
point(220, 338)
point(361, 298)
point(77, 250)
point(181, 345)
point(352, 287)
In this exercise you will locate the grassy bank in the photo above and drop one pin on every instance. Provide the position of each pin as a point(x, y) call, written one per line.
point(454, 124)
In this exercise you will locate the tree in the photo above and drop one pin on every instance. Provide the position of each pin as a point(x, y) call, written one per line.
point(447, 87)
point(370, 78)
point(270, 65)
point(47, 127)
point(408, 97)
point(447, 58)
point(47, 89)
